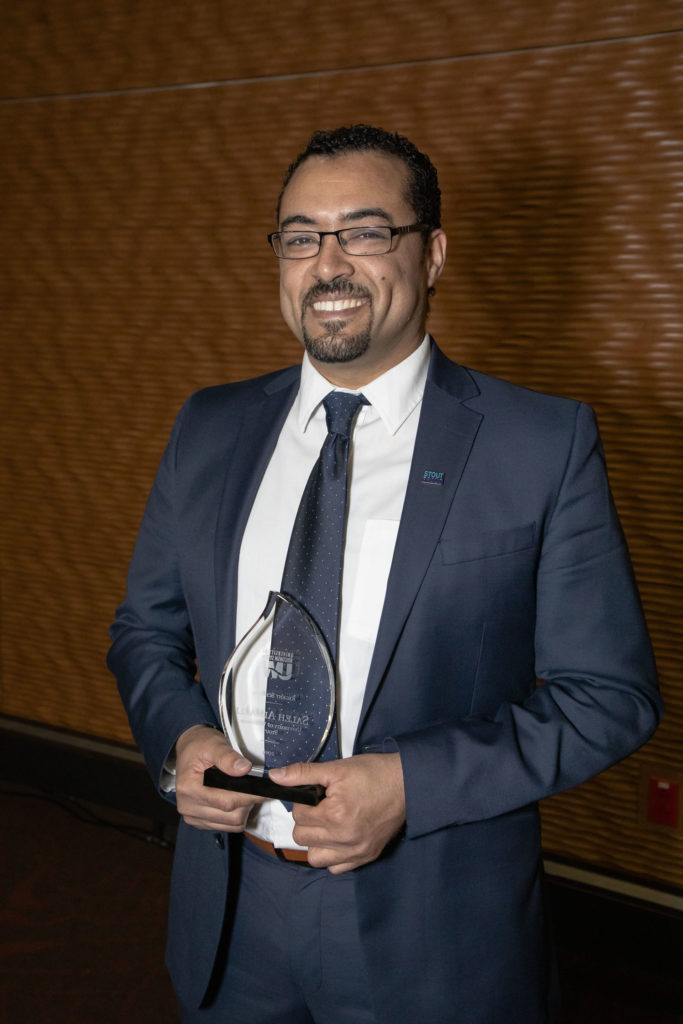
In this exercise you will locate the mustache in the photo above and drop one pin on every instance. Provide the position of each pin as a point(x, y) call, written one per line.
point(340, 289)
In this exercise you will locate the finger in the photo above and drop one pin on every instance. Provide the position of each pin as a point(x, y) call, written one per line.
point(229, 813)
point(233, 763)
point(340, 869)
point(308, 815)
point(213, 826)
point(301, 773)
point(320, 837)
point(193, 797)
point(332, 817)
point(222, 816)
point(321, 857)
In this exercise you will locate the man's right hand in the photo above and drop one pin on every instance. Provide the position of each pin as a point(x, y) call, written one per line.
point(202, 806)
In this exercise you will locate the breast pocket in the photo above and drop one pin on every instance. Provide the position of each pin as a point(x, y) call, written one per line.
point(487, 544)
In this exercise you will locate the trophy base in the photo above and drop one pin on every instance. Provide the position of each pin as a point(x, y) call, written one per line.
point(260, 785)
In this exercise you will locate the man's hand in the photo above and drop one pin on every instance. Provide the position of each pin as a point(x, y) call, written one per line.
point(205, 806)
point(363, 809)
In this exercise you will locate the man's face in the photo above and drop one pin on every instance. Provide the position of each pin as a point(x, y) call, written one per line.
point(357, 315)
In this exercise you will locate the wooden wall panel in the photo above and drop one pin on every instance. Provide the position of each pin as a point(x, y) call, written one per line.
point(136, 269)
point(52, 47)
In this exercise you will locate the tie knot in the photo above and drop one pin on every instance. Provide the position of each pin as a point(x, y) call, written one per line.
point(340, 409)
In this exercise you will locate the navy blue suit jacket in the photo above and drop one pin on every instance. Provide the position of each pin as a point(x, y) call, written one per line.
point(512, 567)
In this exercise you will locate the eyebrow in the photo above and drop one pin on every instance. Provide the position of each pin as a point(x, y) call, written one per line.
point(346, 218)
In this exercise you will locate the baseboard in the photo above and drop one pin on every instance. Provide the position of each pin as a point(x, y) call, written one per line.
point(67, 764)
point(636, 891)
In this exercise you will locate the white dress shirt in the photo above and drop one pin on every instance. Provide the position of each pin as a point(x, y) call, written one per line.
point(381, 451)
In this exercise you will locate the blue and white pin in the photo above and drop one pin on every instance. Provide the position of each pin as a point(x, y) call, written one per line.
point(433, 476)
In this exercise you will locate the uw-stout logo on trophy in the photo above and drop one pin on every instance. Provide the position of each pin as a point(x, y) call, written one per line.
point(281, 665)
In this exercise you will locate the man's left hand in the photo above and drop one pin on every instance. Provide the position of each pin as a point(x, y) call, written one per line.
point(363, 809)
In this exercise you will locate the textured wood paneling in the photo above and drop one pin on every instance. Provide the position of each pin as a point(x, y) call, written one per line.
point(73, 46)
point(136, 269)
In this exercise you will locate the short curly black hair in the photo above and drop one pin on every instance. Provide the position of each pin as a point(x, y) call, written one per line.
point(424, 194)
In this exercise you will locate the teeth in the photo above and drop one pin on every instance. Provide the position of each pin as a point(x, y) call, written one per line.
point(337, 305)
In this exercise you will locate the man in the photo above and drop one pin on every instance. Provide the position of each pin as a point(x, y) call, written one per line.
point(482, 551)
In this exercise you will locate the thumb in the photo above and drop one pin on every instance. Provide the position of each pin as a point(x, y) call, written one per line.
point(298, 774)
point(232, 762)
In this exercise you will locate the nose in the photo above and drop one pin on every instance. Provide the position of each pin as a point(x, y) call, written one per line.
point(332, 262)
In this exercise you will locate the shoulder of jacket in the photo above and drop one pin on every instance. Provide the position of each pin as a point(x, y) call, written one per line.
point(220, 400)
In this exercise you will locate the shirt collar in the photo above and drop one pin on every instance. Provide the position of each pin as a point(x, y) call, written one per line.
point(393, 395)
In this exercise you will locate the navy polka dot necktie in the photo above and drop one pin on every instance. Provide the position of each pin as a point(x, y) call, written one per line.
point(313, 568)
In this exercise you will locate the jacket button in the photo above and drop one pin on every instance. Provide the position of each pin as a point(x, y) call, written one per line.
point(220, 840)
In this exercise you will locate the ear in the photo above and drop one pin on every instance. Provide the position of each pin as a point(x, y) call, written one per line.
point(435, 256)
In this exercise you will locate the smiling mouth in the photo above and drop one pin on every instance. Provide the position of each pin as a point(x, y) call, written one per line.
point(337, 305)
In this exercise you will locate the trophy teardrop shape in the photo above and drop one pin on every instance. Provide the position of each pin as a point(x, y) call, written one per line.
point(277, 705)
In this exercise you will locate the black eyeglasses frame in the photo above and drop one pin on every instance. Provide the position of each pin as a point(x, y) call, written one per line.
point(403, 230)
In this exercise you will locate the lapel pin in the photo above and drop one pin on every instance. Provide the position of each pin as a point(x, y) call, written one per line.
point(432, 476)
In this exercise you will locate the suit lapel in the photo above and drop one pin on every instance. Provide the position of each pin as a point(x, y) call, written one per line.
point(259, 430)
point(444, 439)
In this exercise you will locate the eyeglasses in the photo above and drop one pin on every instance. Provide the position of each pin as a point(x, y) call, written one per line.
point(361, 241)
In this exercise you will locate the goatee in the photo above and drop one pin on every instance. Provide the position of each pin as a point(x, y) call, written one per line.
point(335, 346)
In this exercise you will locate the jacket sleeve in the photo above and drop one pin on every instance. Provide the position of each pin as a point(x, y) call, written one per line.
point(152, 653)
point(598, 700)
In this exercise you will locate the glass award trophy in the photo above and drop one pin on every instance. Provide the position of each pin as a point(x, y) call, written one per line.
point(276, 703)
